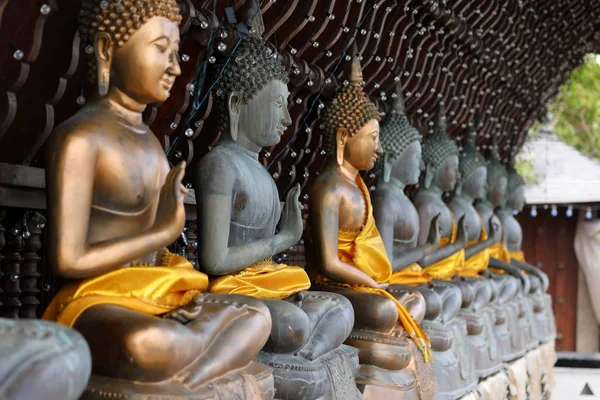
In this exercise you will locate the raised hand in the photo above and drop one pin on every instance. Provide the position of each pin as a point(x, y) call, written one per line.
point(435, 233)
point(461, 236)
point(290, 225)
point(495, 231)
point(170, 215)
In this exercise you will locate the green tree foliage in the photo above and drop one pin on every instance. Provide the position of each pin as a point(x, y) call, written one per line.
point(576, 109)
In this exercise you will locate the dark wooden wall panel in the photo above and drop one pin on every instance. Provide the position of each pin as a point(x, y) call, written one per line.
point(548, 244)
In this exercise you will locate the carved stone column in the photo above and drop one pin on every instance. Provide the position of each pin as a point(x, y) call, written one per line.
point(33, 225)
point(11, 267)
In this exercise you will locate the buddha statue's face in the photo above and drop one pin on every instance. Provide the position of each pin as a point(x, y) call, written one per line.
point(497, 191)
point(362, 149)
point(146, 66)
point(408, 166)
point(265, 117)
point(447, 174)
point(474, 184)
point(516, 201)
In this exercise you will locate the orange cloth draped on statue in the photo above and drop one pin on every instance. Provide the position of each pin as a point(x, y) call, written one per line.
point(147, 289)
point(478, 262)
point(500, 252)
point(413, 275)
point(364, 250)
point(447, 268)
point(518, 255)
point(264, 280)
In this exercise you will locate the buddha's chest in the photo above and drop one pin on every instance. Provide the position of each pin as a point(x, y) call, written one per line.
point(406, 224)
point(255, 199)
point(513, 233)
point(128, 174)
point(473, 223)
point(353, 209)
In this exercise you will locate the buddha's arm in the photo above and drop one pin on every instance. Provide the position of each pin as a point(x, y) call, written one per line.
point(530, 269)
point(324, 205)
point(70, 176)
point(385, 225)
point(214, 186)
point(426, 215)
point(478, 247)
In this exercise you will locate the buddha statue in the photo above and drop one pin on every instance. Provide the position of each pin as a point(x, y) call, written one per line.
point(113, 207)
point(242, 225)
point(488, 347)
point(515, 200)
point(42, 360)
point(346, 255)
point(512, 283)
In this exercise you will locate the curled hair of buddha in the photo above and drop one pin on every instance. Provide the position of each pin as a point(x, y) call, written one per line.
point(350, 108)
point(120, 19)
point(470, 158)
point(495, 168)
point(252, 67)
point(438, 146)
point(514, 180)
point(397, 133)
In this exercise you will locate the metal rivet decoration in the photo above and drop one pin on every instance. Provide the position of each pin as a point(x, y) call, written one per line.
point(221, 46)
point(104, 4)
point(45, 9)
point(18, 55)
point(173, 125)
point(204, 25)
point(178, 154)
point(189, 132)
point(89, 49)
point(212, 59)
point(80, 100)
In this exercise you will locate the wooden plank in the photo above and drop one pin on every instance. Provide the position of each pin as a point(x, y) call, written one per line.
point(22, 198)
point(22, 176)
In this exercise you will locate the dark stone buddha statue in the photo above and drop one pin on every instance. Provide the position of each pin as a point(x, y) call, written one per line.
point(242, 225)
point(346, 253)
point(486, 348)
point(42, 360)
point(513, 234)
point(114, 205)
point(512, 283)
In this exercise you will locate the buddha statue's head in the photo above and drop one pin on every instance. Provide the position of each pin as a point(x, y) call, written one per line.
point(251, 94)
point(515, 188)
point(351, 124)
point(401, 144)
point(133, 46)
point(496, 177)
point(472, 168)
point(440, 156)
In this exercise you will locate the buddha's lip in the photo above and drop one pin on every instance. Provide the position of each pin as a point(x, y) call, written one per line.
point(168, 82)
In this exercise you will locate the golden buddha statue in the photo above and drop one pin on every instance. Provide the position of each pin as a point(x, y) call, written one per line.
point(238, 215)
point(113, 207)
point(346, 254)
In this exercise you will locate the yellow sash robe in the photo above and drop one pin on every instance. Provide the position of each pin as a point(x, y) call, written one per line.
point(364, 249)
point(147, 289)
point(447, 268)
point(479, 262)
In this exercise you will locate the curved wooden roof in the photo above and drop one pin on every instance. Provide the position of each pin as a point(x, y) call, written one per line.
point(501, 60)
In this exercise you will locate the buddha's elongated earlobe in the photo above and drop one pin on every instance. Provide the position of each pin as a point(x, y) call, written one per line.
point(340, 142)
point(104, 51)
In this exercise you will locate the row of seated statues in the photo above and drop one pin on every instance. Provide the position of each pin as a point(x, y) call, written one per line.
point(398, 299)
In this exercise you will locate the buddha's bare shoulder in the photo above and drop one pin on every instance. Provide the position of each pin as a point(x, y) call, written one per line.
point(330, 183)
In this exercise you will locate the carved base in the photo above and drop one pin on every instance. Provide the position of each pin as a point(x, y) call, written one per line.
point(253, 382)
point(453, 368)
point(329, 377)
point(528, 325)
point(545, 323)
point(416, 381)
point(515, 348)
point(494, 387)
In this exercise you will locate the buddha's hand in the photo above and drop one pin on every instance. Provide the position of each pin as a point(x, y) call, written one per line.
point(189, 312)
point(495, 231)
point(435, 234)
point(170, 215)
point(290, 225)
point(461, 236)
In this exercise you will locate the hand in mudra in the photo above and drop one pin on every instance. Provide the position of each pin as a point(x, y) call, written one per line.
point(435, 232)
point(290, 225)
point(495, 231)
point(170, 215)
point(461, 236)
point(189, 312)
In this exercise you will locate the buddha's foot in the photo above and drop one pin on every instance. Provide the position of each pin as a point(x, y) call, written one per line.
point(453, 368)
point(416, 381)
point(255, 381)
point(329, 377)
point(389, 351)
point(42, 360)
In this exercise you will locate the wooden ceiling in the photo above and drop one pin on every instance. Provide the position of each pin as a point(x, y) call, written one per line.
point(499, 60)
